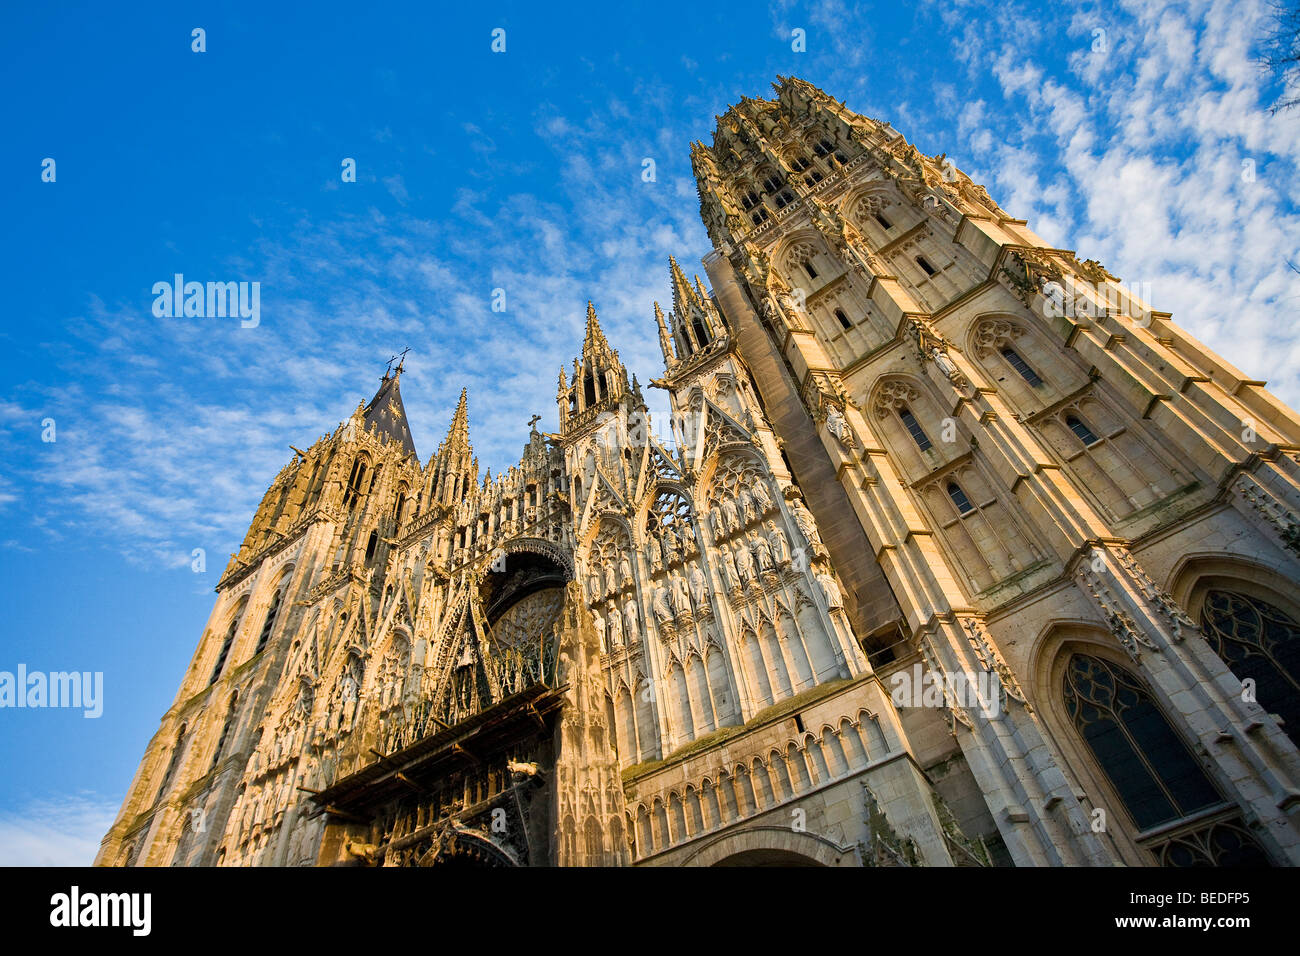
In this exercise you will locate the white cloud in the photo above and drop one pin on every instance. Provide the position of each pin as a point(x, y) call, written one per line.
point(63, 831)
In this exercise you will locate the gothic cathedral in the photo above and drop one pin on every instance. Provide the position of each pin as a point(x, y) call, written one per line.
point(959, 554)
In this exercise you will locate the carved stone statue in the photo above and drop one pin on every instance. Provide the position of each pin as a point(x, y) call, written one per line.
point(716, 523)
point(838, 426)
point(762, 499)
point(615, 627)
point(681, 599)
point(663, 610)
point(729, 514)
point(944, 363)
point(671, 546)
point(698, 585)
point(744, 564)
point(834, 599)
point(807, 526)
point(631, 621)
point(746, 506)
point(763, 553)
point(780, 544)
point(624, 571)
point(593, 585)
point(611, 585)
point(729, 567)
point(656, 551)
point(599, 625)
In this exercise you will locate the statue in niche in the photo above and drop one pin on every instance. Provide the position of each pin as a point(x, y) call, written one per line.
point(745, 507)
point(688, 539)
point(593, 584)
point(671, 546)
point(762, 499)
point(729, 514)
point(624, 571)
point(656, 551)
point(944, 363)
point(838, 426)
point(611, 585)
point(744, 564)
point(698, 585)
point(780, 544)
point(731, 578)
point(716, 522)
point(660, 605)
point(831, 590)
point(681, 599)
point(762, 552)
point(599, 625)
point(615, 627)
point(632, 620)
point(807, 526)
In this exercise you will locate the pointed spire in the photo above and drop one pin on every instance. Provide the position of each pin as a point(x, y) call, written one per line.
point(665, 340)
point(683, 297)
point(594, 337)
point(386, 415)
point(458, 433)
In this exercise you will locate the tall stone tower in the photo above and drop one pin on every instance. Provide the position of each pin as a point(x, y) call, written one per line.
point(952, 552)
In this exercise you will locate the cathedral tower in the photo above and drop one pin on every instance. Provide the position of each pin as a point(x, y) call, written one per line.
point(952, 552)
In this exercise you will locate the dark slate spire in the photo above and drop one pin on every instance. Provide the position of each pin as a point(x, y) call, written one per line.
point(386, 413)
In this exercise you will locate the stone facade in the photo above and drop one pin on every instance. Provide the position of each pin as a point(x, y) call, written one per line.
point(959, 555)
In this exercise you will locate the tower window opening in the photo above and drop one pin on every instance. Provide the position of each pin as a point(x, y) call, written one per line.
point(884, 223)
point(808, 268)
point(914, 429)
point(925, 265)
point(760, 216)
point(269, 624)
point(356, 481)
point(772, 184)
point(844, 319)
point(589, 388)
point(225, 651)
point(701, 334)
point(1021, 366)
point(1081, 431)
point(372, 543)
point(813, 178)
point(750, 201)
point(800, 164)
point(959, 498)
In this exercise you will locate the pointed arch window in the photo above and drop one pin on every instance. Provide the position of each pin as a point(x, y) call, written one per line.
point(225, 731)
point(1258, 642)
point(225, 652)
point(843, 319)
point(1081, 431)
point(924, 263)
point(959, 498)
point(269, 624)
point(1148, 764)
point(1021, 366)
point(884, 223)
point(750, 200)
point(760, 216)
point(172, 763)
point(914, 429)
point(356, 482)
point(701, 333)
point(810, 269)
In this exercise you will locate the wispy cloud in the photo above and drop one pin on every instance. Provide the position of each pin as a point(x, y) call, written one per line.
point(63, 831)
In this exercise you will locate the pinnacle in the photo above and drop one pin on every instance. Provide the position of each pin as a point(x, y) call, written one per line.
point(595, 338)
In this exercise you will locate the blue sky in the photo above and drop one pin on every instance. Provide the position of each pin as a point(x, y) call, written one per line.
point(1145, 145)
